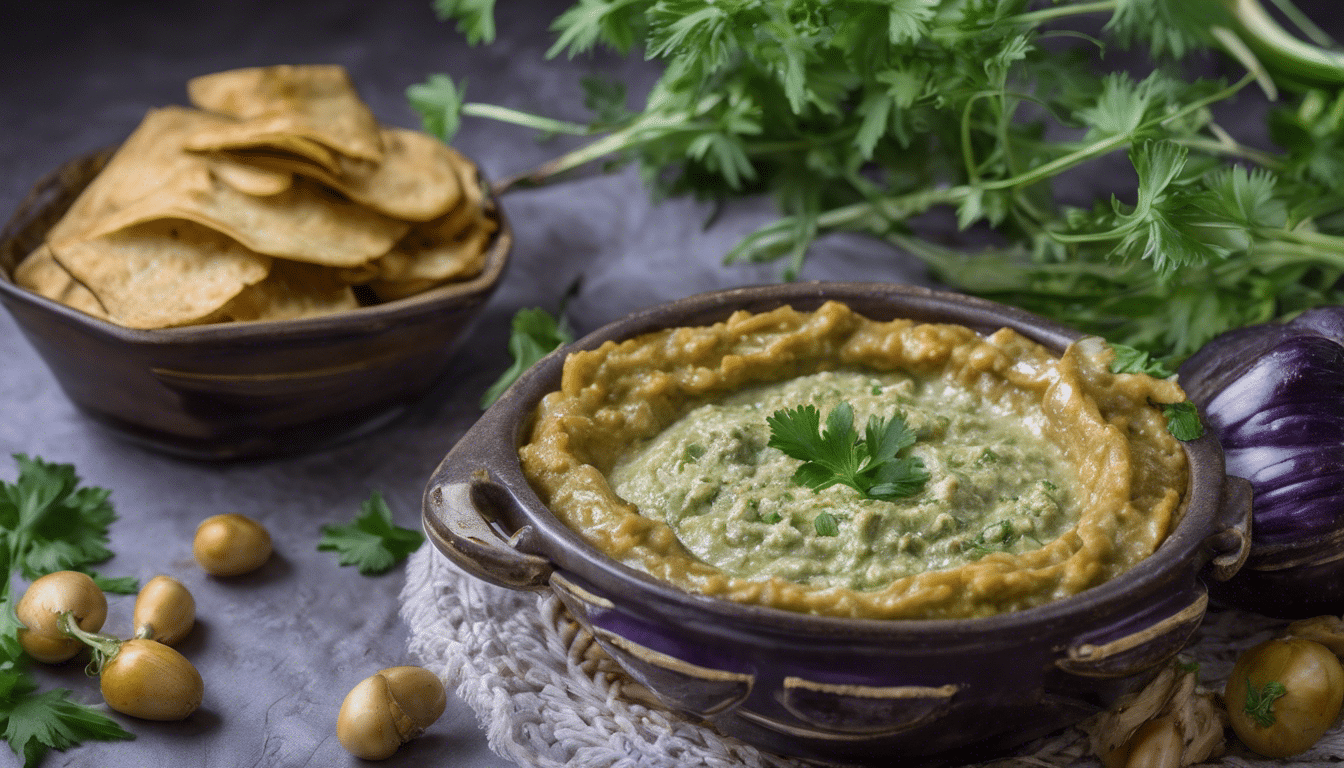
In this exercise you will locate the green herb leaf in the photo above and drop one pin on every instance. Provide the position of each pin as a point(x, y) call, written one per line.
point(535, 335)
point(371, 542)
point(1260, 703)
point(864, 116)
point(48, 522)
point(869, 465)
point(1183, 421)
point(37, 722)
point(1131, 360)
point(475, 18)
point(826, 525)
point(438, 100)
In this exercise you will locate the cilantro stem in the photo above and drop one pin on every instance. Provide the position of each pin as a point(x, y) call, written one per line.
point(525, 119)
point(1032, 18)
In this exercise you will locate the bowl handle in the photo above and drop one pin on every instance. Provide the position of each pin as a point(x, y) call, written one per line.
point(459, 525)
point(1231, 542)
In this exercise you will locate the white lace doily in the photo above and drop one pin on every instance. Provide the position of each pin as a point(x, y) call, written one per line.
point(548, 696)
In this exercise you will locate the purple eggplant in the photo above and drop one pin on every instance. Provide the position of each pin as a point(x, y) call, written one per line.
point(1274, 394)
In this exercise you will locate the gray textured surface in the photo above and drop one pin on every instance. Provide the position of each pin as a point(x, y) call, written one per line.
point(279, 649)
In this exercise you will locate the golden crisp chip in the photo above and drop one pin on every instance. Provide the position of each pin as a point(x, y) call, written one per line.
point(418, 179)
point(304, 223)
point(150, 156)
point(163, 273)
point(251, 180)
point(316, 102)
point(291, 291)
point(434, 251)
point(43, 275)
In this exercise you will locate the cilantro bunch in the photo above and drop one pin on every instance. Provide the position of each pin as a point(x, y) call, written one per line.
point(861, 116)
point(48, 522)
point(839, 456)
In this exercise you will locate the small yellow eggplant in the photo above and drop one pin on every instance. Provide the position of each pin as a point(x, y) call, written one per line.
point(388, 709)
point(230, 545)
point(149, 680)
point(45, 601)
point(164, 610)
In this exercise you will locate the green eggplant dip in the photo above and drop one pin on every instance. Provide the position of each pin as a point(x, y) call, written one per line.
point(1039, 474)
point(996, 484)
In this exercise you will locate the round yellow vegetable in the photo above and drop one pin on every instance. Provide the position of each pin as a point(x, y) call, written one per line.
point(388, 709)
point(151, 681)
point(164, 610)
point(1283, 695)
point(230, 545)
point(41, 607)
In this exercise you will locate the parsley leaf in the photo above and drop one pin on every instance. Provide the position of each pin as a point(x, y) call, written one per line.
point(475, 18)
point(1183, 421)
point(371, 542)
point(35, 723)
point(839, 456)
point(864, 116)
point(438, 100)
point(535, 335)
point(1260, 703)
point(48, 522)
point(1131, 360)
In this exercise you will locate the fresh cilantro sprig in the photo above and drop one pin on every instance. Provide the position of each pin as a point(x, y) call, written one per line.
point(1182, 418)
point(1260, 702)
point(35, 722)
point(372, 542)
point(863, 116)
point(839, 456)
point(535, 334)
point(48, 522)
point(1131, 360)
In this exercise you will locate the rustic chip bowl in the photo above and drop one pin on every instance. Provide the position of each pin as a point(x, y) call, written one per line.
point(235, 390)
point(830, 689)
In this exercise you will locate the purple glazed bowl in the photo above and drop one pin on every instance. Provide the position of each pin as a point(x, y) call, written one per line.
point(238, 390)
point(828, 689)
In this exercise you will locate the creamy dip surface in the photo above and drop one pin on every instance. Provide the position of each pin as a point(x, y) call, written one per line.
point(996, 484)
point(1047, 474)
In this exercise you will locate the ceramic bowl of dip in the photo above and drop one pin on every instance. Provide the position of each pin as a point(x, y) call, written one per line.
point(832, 689)
point(238, 390)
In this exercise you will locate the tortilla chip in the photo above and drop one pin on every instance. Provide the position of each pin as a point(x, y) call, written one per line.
point(303, 223)
point(251, 180)
point(40, 273)
point(418, 180)
point(291, 291)
point(163, 273)
point(237, 136)
point(316, 102)
point(150, 156)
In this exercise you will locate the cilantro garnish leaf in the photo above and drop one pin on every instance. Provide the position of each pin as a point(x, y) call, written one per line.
point(438, 100)
point(475, 18)
point(535, 335)
point(37, 722)
point(49, 523)
point(839, 455)
point(826, 524)
point(1183, 421)
point(371, 542)
point(1260, 703)
point(1131, 360)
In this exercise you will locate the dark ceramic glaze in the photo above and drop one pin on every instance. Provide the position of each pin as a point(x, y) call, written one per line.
point(234, 390)
point(829, 689)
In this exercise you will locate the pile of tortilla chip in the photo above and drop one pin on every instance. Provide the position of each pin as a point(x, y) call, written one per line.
point(278, 196)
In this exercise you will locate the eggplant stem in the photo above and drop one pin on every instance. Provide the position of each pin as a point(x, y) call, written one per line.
point(105, 647)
